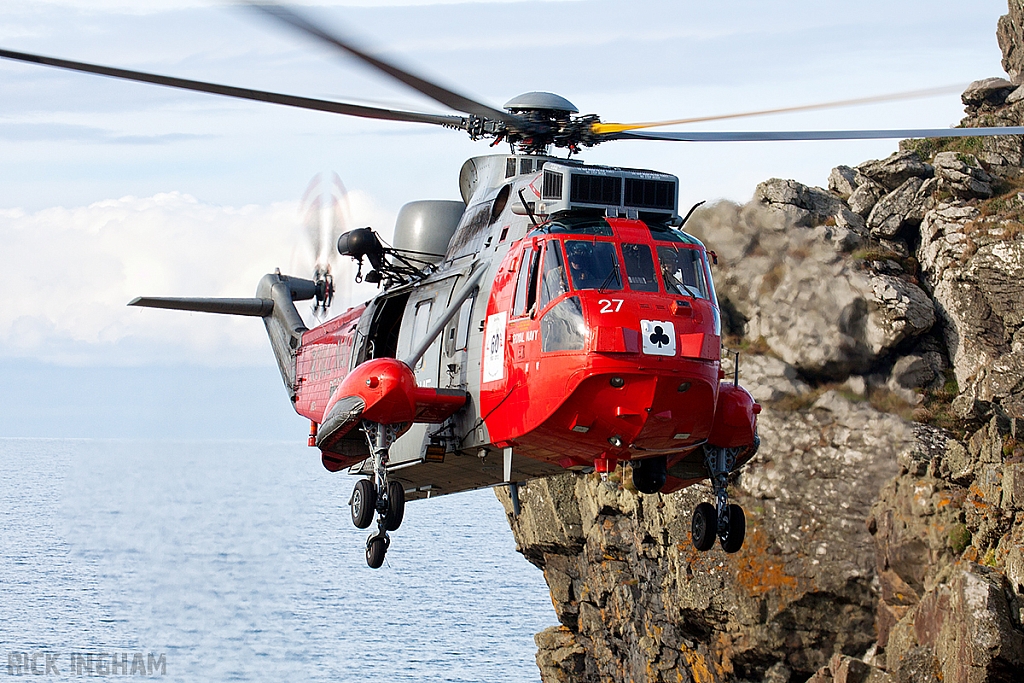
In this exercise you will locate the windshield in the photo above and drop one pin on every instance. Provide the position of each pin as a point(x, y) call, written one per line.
point(639, 268)
point(683, 271)
point(593, 265)
point(553, 283)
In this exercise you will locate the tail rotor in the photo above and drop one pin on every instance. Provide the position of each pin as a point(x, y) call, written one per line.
point(325, 211)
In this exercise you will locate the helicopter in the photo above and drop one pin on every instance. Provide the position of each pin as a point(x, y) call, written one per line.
point(558, 318)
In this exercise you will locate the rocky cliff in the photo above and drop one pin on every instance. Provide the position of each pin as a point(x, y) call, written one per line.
point(881, 321)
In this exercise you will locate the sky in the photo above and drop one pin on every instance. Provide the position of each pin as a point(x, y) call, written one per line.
point(110, 190)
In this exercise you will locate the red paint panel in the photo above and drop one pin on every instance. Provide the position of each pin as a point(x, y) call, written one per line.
point(691, 345)
point(735, 419)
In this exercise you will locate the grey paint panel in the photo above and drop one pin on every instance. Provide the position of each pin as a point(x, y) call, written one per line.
point(252, 307)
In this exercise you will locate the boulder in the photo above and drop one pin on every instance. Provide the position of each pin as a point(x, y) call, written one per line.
point(895, 170)
point(843, 181)
point(902, 208)
point(988, 91)
point(962, 175)
point(865, 197)
point(904, 311)
point(773, 278)
point(963, 630)
point(798, 204)
point(766, 378)
point(912, 372)
point(846, 231)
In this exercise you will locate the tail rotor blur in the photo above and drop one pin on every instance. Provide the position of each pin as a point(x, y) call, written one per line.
point(325, 212)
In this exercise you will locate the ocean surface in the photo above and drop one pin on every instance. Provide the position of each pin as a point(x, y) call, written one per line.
point(238, 561)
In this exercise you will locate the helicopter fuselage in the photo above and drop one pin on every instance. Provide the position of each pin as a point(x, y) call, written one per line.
point(590, 339)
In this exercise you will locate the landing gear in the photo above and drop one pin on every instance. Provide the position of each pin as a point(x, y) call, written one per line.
point(378, 495)
point(376, 547)
point(650, 474)
point(724, 520)
point(364, 503)
point(704, 526)
point(733, 541)
point(396, 506)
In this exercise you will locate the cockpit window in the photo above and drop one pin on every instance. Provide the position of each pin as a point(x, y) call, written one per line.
point(579, 225)
point(554, 282)
point(683, 271)
point(526, 285)
point(639, 268)
point(593, 265)
point(664, 233)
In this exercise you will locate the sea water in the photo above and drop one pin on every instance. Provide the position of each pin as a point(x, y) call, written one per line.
point(238, 561)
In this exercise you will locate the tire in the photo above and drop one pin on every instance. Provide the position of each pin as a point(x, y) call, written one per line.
point(364, 503)
point(650, 474)
point(737, 530)
point(704, 527)
point(396, 506)
point(375, 551)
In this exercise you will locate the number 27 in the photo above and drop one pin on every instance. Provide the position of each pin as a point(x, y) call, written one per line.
point(610, 305)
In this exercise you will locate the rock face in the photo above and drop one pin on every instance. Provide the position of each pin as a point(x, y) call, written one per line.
point(631, 591)
point(772, 276)
point(1010, 34)
point(974, 266)
point(948, 537)
point(883, 322)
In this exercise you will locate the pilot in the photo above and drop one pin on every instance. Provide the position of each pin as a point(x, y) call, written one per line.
point(680, 273)
point(579, 257)
point(555, 284)
point(671, 272)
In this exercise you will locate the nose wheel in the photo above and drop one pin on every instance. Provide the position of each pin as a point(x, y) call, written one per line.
point(724, 520)
point(377, 495)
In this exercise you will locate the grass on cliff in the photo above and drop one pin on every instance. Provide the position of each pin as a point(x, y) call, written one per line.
point(927, 148)
point(877, 252)
point(937, 408)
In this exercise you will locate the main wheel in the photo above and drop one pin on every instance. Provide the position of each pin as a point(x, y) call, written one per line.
point(375, 551)
point(704, 527)
point(396, 506)
point(364, 503)
point(650, 474)
point(737, 530)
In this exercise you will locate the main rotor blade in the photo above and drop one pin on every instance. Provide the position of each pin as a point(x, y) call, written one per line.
point(240, 93)
point(601, 128)
point(434, 91)
point(769, 136)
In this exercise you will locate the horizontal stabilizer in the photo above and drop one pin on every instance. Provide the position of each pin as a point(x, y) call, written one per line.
point(258, 308)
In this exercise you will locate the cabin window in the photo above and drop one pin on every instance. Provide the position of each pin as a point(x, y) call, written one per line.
point(639, 268)
point(563, 328)
point(554, 283)
point(683, 271)
point(500, 202)
point(593, 265)
point(421, 322)
point(462, 332)
point(526, 285)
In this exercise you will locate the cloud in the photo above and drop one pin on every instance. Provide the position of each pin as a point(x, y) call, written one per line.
point(154, 6)
point(32, 132)
point(71, 272)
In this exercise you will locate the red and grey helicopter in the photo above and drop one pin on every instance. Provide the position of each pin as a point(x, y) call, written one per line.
point(557, 318)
